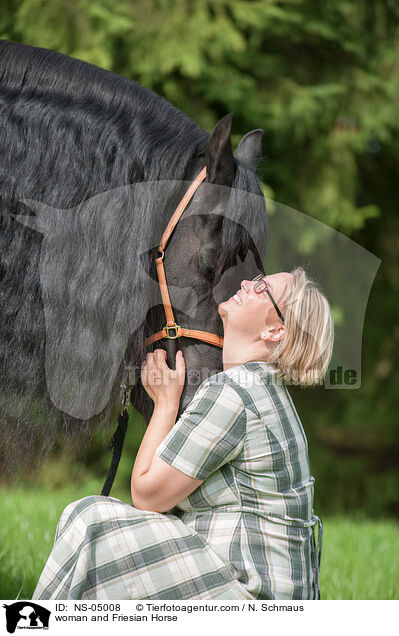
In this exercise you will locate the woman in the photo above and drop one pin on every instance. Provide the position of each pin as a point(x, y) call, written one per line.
point(235, 464)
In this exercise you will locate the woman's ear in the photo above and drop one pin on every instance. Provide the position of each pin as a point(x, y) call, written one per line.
point(273, 334)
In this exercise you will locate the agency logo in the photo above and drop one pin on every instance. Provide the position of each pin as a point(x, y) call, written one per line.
point(26, 615)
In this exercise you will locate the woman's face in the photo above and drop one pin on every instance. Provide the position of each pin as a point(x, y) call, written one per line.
point(254, 312)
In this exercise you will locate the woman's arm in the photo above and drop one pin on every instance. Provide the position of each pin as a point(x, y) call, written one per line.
point(155, 485)
point(162, 420)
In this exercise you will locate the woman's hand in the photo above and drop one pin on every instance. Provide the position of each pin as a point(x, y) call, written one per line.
point(163, 385)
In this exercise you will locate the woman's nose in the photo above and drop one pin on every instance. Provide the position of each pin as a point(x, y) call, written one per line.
point(245, 285)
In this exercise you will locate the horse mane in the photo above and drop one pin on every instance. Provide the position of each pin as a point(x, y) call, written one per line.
point(69, 131)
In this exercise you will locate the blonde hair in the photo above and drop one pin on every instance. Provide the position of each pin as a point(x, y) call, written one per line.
point(303, 354)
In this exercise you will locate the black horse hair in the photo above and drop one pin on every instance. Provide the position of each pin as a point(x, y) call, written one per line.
point(69, 131)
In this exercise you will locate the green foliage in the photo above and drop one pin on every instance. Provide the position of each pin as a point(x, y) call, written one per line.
point(322, 81)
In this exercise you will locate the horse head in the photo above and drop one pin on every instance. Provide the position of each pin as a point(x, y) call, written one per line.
point(219, 241)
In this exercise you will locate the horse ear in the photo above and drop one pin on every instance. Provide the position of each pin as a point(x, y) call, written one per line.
point(219, 153)
point(249, 149)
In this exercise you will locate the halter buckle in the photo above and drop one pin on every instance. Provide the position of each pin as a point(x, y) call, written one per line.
point(124, 399)
point(176, 328)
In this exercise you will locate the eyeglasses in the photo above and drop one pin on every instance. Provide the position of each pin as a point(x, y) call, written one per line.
point(262, 286)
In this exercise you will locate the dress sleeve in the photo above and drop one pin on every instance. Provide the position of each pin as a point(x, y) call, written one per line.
point(209, 433)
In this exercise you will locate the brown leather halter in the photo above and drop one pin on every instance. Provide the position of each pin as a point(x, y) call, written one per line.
point(171, 325)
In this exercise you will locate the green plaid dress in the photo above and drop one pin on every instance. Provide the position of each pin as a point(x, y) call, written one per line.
point(247, 532)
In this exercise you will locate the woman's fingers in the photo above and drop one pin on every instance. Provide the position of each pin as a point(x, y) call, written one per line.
point(162, 383)
point(155, 360)
point(180, 366)
point(159, 357)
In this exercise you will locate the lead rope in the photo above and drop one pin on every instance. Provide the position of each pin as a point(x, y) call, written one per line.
point(118, 438)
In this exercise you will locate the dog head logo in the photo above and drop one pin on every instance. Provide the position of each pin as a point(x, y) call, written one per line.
point(26, 615)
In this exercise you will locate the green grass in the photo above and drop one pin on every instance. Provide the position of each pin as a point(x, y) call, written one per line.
point(29, 519)
point(359, 559)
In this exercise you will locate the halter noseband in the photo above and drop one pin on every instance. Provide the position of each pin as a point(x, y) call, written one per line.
point(171, 325)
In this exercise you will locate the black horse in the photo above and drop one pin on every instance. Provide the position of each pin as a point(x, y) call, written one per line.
point(92, 166)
